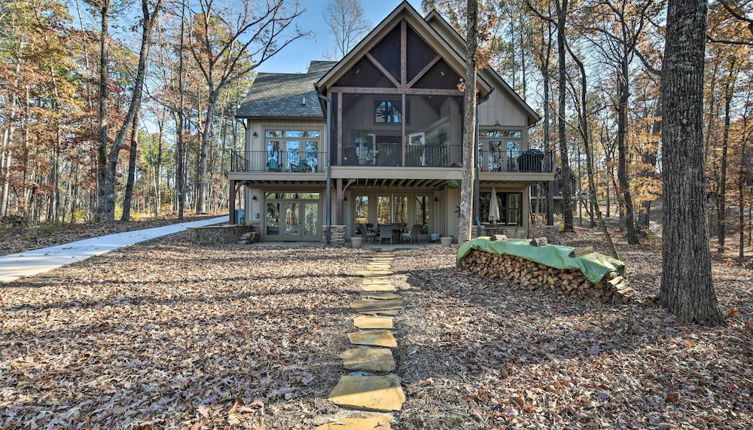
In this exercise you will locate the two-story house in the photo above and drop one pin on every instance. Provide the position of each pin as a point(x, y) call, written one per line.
point(376, 138)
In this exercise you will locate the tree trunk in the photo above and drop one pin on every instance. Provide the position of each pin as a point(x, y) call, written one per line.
point(721, 201)
point(127, 198)
point(687, 289)
point(106, 207)
point(104, 77)
point(206, 133)
point(650, 159)
point(567, 174)
point(180, 165)
point(622, 174)
point(158, 173)
point(469, 126)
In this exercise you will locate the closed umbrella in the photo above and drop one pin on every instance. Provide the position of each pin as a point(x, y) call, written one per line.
point(493, 207)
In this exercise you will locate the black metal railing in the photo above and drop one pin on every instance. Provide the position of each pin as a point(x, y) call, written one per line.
point(277, 161)
point(514, 161)
point(390, 155)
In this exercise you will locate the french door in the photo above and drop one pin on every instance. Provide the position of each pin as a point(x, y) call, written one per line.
point(292, 220)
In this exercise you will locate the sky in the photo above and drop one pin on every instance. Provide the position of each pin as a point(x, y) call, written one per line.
point(296, 56)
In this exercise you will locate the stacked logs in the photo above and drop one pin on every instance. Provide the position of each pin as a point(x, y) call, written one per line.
point(613, 288)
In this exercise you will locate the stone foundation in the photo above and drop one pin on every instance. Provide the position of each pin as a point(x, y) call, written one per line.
point(218, 234)
point(336, 234)
point(511, 231)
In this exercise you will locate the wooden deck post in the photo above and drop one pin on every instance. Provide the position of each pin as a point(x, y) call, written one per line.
point(339, 205)
point(231, 202)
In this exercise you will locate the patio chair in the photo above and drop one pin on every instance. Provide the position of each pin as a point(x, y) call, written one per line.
point(385, 232)
point(273, 166)
point(300, 167)
point(368, 232)
point(412, 235)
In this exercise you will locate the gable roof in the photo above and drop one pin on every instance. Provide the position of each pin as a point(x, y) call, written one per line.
point(285, 95)
point(405, 10)
point(458, 42)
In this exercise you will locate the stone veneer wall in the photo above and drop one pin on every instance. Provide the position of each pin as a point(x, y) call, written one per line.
point(336, 234)
point(218, 234)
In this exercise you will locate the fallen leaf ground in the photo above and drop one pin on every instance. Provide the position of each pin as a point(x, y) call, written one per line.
point(479, 354)
point(170, 335)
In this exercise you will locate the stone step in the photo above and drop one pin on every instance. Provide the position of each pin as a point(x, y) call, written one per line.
point(367, 423)
point(378, 288)
point(371, 359)
point(377, 305)
point(377, 393)
point(382, 338)
point(369, 322)
point(379, 296)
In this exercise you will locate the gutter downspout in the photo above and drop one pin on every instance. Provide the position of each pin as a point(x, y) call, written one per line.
point(477, 179)
point(328, 180)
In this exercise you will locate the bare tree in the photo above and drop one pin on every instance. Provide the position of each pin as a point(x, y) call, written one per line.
point(687, 289)
point(561, 10)
point(108, 163)
point(346, 23)
point(582, 110)
point(622, 24)
point(228, 44)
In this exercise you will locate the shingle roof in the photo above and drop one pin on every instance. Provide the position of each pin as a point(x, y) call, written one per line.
point(285, 95)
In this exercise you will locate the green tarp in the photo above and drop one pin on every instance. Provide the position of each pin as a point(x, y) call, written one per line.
point(594, 266)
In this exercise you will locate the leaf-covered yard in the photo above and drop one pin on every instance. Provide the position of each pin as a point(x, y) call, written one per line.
point(169, 335)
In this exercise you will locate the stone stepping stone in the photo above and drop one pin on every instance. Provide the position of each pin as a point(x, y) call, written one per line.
point(373, 338)
point(369, 322)
point(380, 296)
point(370, 423)
point(371, 359)
point(377, 281)
point(377, 305)
point(378, 287)
point(378, 393)
point(375, 273)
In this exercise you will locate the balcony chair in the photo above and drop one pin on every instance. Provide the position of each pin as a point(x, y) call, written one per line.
point(273, 166)
point(301, 166)
point(412, 235)
point(386, 232)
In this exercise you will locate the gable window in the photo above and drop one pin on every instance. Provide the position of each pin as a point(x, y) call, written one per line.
point(387, 112)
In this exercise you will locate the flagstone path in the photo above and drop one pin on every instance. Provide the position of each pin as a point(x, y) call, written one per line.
point(371, 387)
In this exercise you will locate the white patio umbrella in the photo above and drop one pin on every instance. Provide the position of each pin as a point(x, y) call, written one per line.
point(493, 207)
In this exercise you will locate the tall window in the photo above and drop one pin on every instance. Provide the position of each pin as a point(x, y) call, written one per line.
point(500, 149)
point(361, 210)
point(292, 150)
point(510, 208)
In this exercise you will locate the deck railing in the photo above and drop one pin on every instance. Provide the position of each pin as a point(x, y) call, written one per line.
point(389, 156)
point(278, 161)
point(514, 161)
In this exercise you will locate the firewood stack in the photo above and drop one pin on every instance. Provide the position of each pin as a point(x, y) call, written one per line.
point(613, 288)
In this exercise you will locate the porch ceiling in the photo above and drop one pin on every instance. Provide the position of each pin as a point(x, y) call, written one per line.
point(434, 184)
point(277, 183)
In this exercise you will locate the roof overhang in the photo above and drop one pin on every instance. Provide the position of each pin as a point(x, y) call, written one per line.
point(282, 118)
point(404, 10)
